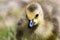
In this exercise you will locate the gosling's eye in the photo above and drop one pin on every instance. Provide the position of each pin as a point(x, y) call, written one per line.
point(36, 15)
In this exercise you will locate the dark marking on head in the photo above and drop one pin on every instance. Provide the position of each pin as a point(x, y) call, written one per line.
point(32, 8)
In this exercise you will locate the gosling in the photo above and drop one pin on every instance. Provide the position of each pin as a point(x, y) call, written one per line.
point(34, 26)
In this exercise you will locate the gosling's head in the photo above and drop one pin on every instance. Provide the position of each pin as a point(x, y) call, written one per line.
point(34, 14)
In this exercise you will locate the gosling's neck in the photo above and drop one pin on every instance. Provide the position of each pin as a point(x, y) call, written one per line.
point(44, 29)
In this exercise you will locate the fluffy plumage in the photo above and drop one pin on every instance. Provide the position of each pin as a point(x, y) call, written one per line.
point(43, 28)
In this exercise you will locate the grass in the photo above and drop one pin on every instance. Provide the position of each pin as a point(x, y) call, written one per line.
point(3, 33)
point(8, 32)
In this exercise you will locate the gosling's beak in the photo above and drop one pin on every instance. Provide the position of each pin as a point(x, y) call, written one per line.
point(30, 24)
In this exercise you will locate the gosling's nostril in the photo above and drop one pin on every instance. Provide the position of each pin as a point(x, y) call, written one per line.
point(31, 23)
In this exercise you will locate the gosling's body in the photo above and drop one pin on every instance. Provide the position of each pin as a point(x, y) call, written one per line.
point(43, 29)
point(40, 33)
